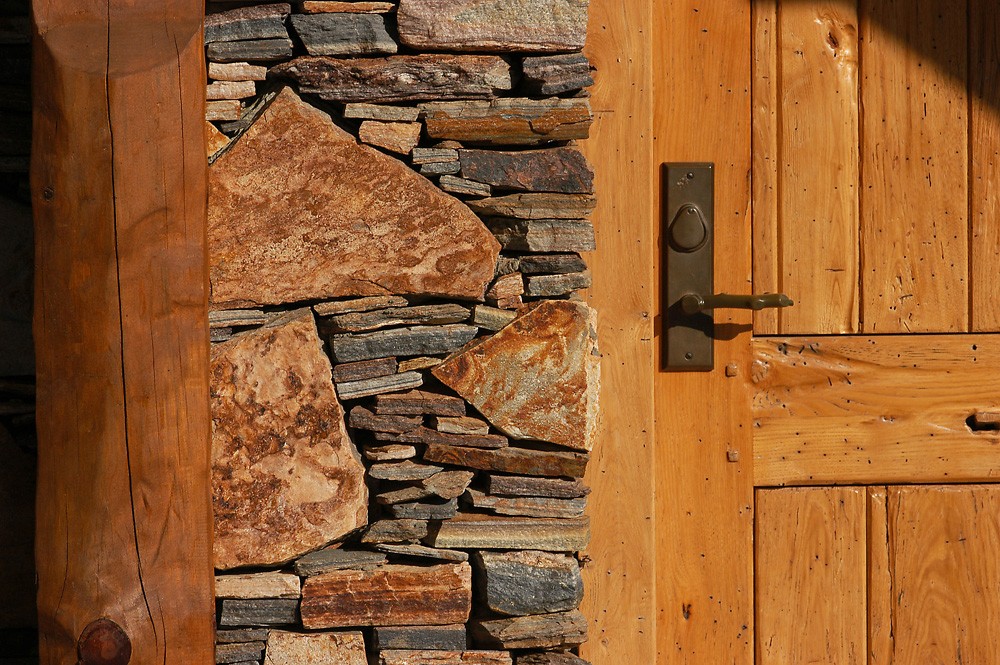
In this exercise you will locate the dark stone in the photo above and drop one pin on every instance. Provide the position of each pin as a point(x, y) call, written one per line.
point(528, 582)
point(427, 435)
point(556, 285)
point(524, 486)
point(395, 531)
point(378, 385)
point(398, 316)
point(543, 235)
point(523, 461)
point(238, 652)
point(552, 264)
point(336, 559)
point(424, 510)
point(364, 369)
point(418, 402)
point(446, 638)
point(241, 635)
point(561, 629)
point(556, 74)
point(259, 612)
point(251, 50)
point(343, 34)
point(554, 170)
point(415, 341)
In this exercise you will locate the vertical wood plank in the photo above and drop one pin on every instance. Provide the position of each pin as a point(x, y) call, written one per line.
point(984, 85)
point(945, 573)
point(704, 460)
point(914, 231)
point(620, 578)
point(811, 575)
point(819, 162)
point(118, 186)
point(879, 579)
point(765, 184)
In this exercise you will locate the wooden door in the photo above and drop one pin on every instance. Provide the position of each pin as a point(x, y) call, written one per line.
point(823, 495)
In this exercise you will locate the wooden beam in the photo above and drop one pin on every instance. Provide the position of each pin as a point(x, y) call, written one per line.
point(619, 579)
point(119, 191)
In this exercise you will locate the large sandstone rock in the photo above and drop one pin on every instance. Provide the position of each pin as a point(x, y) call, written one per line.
point(488, 25)
point(286, 477)
point(538, 378)
point(298, 210)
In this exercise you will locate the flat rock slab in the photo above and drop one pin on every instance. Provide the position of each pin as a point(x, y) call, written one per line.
point(419, 402)
point(523, 486)
point(392, 595)
point(556, 74)
point(550, 658)
point(543, 235)
point(560, 629)
point(240, 635)
point(378, 385)
point(508, 121)
point(427, 435)
point(485, 25)
point(258, 585)
point(422, 552)
point(414, 341)
point(364, 369)
point(237, 652)
point(554, 170)
point(259, 612)
point(343, 34)
point(396, 531)
point(436, 638)
point(342, 648)
point(286, 477)
point(528, 582)
point(527, 506)
point(409, 657)
point(399, 78)
point(397, 137)
point(326, 560)
point(537, 378)
point(399, 316)
point(299, 211)
point(536, 205)
point(251, 50)
point(524, 461)
point(511, 533)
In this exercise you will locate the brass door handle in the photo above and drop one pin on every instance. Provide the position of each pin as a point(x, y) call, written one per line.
point(693, 303)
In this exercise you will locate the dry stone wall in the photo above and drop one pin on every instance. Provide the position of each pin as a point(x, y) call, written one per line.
point(404, 377)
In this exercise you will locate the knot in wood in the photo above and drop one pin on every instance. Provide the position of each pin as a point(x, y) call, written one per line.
point(104, 642)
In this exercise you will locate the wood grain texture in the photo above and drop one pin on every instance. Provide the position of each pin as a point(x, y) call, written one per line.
point(984, 146)
point(914, 220)
point(704, 516)
point(945, 588)
point(880, 635)
point(118, 185)
point(764, 177)
point(811, 575)
point(620, 578)
point(818, 166)
point(886, 409)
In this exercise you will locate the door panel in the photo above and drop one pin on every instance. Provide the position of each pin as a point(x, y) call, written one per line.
point(811, 576)
point(886, 409)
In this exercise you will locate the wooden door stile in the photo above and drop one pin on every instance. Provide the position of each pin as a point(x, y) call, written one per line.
point(119, 192)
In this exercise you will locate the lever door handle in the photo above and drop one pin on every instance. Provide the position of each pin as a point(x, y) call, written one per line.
point(692, 303)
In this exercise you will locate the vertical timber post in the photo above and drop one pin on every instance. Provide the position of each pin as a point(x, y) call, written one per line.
point(123, 546)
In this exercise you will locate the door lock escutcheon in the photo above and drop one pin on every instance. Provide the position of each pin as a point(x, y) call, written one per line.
point(689, 211)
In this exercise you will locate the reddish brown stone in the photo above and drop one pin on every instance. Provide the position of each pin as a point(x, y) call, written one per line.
point(286, 477)
point(508, 121)
point(486, 25)
point(556, 170)
point(510, 460)
point(392, 595)
point(537, 378)
point(299, 211)
point(398, 137)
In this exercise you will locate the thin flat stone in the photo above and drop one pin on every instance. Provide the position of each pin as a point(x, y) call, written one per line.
point(550, 658)
point(392, 595)
point(352, 7)
point(506, 286)
point(230, 90)
point(389, 453)
point(559, 264)
point(524, 461)
point(433, 155)
point(243, 24)
point(275, 502)
point(236, 71)
point(557, 488)
point(419, 402)
point(333, 648)
point(241, 635)
point(364, 369)
point(448, 484)
point(413, 341)
point(379, 385)
point(559, 629)
point(491, 318)
point(526, 506)
point(251, 50)
point(399, 78)
point(454, 185)
point(460, 425)
point(398, 316)
point(538, 378)
point(426, 435)
point(383, 112)
point(536, 205)
point(486, 532)
point(257, 585)
point(543, 235)
point(418, 363)
point(557, 285)
point(436, 638)
point(397, 137)
point(237, 317)
point(326, 560)
point(300, 211)
point(362, 418)
point(365, 304)
point(343, 34)
point(423, 552)
point(223, 110)
point(403, 495)
point(534, 26)
point(395, 531)
point(238, 652)
point(555, 74)
point(214, 142)
point(528, 582)
point(551, 170)
point(508, 121)
point(259, 612)
point(439, 168)
point(414, 657)
point(402, 471)
point(424, 510)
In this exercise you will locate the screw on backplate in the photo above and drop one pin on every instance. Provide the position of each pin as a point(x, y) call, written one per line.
point(103, 642)
point(48, 193)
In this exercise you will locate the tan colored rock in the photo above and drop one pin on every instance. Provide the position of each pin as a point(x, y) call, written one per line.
point(258, 585)
point(230, 90)
point(214, 139)
point(486, 25)
point(236, 71)
point(286, 477)
point(299, 211)
point(537, 378)
point(353, 7)
point(285, 648)
point(435, 657)
point(398, 137)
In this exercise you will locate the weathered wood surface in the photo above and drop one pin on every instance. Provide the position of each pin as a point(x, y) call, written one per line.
point(472, 531)
point(343, 34)
point(393, 595)
point(121, 328)
point(811, 577)
point(524, 461)
point(415, 341)
point(554, 170)
point(508, 121)
point(558, 629)
point(874, 409)
point(439, 638)
point(399, 78)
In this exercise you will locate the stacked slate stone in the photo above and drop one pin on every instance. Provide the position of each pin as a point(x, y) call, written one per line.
point(404, 378)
